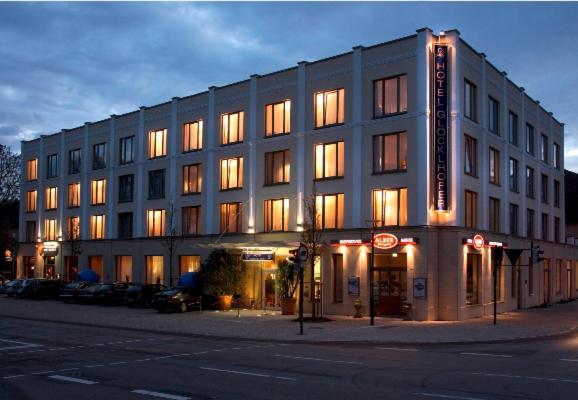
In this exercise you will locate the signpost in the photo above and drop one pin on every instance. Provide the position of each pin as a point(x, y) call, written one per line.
point(300, 256)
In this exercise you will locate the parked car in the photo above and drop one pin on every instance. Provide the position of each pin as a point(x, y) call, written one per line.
point(22, 289)
point(89, 294)
point(12, 287)
point(177, 299)
point(140, 294)
point(112, 293)
point(41, 289)
point(69, 293)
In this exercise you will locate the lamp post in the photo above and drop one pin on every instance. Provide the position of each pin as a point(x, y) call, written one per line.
point(371, 299)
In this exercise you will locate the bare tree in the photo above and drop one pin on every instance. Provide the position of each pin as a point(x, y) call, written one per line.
point(172, 239)
point(74, 241)
point(9, 175)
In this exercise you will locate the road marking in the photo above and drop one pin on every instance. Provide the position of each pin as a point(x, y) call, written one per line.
point(318, 359)
point(42, 372)
point(396, 349)
point(71, 379)
point(67, 369)
point(19, 345)
point(93, 366)
point(534, 378)
point(13, 376)
point(487, 355)
point(118, 363)
point(248, 373)
point(161, 395)
point(445, 396)
point(569, 359)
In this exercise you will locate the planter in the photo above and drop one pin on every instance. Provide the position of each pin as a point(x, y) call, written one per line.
point(225, 302)
point(288, 306)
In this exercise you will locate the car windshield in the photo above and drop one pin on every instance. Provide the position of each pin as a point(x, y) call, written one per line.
point(134, 288)
point(106, 287)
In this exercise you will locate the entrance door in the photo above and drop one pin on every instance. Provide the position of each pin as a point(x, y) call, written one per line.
point(49, 265)
point(390, 287)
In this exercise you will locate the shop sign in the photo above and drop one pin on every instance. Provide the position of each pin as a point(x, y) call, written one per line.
point(478, 242)
point(350, 242)
point(440, 128)
point(353, 286)
point(385, 241)
point(419, 288)
point(408, 240)
point(8, 255)
point(50, 249)
point(257, 256)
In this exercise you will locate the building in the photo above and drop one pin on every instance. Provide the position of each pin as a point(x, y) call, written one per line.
point(420, 140)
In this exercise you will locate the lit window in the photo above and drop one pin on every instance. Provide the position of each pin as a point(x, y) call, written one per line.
point(390, 152)
point(50, 229)
point(277, 167)
point(276, 215)
point(52, 166)
point(32, 169)
point(192, 179)
point(231, 217)
point(232, 127)
point(329, 108)
point(126, 150)
point(73, 228)
point(232, 173)
point(99, 156)
point(193, 136)
point(51, 198)
point(329, 208)
point(278, 118)
point(97, 226)
point(124, 268)
point(191, 219)
point(390, 207)
point(329, 160)
point(98, 192)
point(494, 166)
point(74, 195)
point(158, 143)
point(31, 197)
point(189, 264)
point(74, 161)
point(155, 270)
point(156, 222)
point(390, 96)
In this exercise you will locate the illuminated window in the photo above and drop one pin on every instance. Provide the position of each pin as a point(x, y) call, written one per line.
point(124, 225)
point(471, 156)
point(156, 222)
point(157, 143)
point(329, 208)
point(193, 136)
point(529, 139)
point(329, 160)
point(390, 96)
point(51, 198)
point(473, 278)
point(52, 166)
point(389, 207)
point(73, 228)
point(277, 167)
point(191, 219)
point(189, 264)
point(155, 270)
point(329, 108)
point(494, 166)
point(124, 268)
point(50, 229)
point(513, 128)
point(73, 195)
point(232, 127)
point(31, 198)
point(544, 148)
point(493, 115)
point(558, 275)
point(98, 192)
point(157, 184)
point(471, 210)
point(125, 188)
point(99, 156)
point(278, 118)
point(530, 182)
point(126, 150)
point(192, 178)
point(232, 173)
point(97, 226)
point(390, 152)
point(74, 161)
point(231, 217)
point(276, 215)
point(32, 169)
point(494, 215)
point(470, 100)
point(514, 186)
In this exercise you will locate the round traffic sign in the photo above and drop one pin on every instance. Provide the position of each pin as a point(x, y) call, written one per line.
point(302, 253)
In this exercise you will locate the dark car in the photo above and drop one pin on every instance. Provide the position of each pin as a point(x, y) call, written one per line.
point(177, 299)
point(22, 290)
point(140, 294)
point(41, 289)
point(12, 287)
point(69, 293)
point(89, 293)
point(112, 293)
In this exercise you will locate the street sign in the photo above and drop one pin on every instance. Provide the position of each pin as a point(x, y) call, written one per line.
point(302, 253)
point(513, 255)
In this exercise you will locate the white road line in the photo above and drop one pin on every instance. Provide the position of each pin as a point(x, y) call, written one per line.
point(118, 363)
point(15, 344)
point(93, 366)
point(67, 369)
point(248, 373)
point(318, 359)
point(534, 378)
point(161, 395)
point(487, 355)
point(42, 372)
point(445, 396)
point(569, 359)
point(396, 349)
point(71, 379)
point(13, 376)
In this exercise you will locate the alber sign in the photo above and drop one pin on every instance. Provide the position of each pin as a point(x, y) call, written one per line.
point(440, 122)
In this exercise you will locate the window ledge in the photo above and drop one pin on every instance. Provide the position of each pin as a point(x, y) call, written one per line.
point(391, 171)
point(192, 151)
point(276, 184)
point(329, 178)
point(231, 189)
point(276, 135)
point(395, 114)
point(329, 126)
point(191, 194)
point(231, 143)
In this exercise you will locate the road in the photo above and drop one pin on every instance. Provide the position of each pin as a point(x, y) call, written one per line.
point(46, 360)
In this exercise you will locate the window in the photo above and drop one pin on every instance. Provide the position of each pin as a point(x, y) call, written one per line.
point(494, 166)
point(493, 115)
point(126, 150)
point(329, 108)
point(329, 160)
point(530, 223)
point(189, 264)
point(556, 193)
point(231, 217)
point(193, 136)
point(74, 161)
point(337, 278)
point(31, 198)
point(157, 184)
point(51, 198)
point(74, 195)
point(52, 166)
point(97, 226)
point(30, 231)
point(389, 207)
point(32, 169)
point(191, 219)
point(470, 156)
point(513, 219)
point(232, 173)
point(470, 100)
point(389, 152)
point(471, 210)
point(529, 139)
point(545, 233)
point(99, 156)
point(50, 229)
point(544, 148)
point(125, 188)
point(157, 143)
point(514, 187)
point(544, 188)
point(558, 275)
point(98, 192)
point(192, 178)
point(276, 215)
point(557, 156)
point(530, 182)
point(389, 96)
point(278, 118)
point(556, 229)
point(124, 268)
point(155, 270)
point(232, 127)
point(73, 228)
point(494, 215)
point(473, 278)
point(530, 280)
point(277, 167)
point(156, 222)
point(513, 128)
point(329, 209)
point(125, 225)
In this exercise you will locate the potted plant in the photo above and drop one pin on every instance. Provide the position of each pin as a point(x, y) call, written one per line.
point(221, 276)
point(287, 283)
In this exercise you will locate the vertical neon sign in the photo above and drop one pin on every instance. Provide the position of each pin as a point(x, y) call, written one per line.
point(440, 122)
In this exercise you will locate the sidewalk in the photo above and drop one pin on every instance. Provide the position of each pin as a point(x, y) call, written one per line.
point(556, 320)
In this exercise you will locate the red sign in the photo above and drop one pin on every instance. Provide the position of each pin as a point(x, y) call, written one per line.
point(385, 241)
point(478, 242)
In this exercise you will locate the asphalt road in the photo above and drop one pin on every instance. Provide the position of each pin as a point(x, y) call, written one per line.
point(45, 360)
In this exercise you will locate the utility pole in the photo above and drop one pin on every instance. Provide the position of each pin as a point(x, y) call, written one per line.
point(371, 264)
point(497, 255)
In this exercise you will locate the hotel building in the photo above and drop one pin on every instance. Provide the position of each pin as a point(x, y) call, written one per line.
point(420, 140)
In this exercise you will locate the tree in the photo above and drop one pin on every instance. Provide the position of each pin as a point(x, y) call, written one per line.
point(171, 240)
point(74, 241)
point(9, 175)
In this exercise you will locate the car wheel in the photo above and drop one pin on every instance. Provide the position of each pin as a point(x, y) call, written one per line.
point(183, 307)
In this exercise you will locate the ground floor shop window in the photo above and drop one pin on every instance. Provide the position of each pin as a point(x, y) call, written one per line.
point(71, 263)
point(500, 284)
point(96, 263)
point(473, 278)
point(558, 275)
point(155, 269)
point(49, 267)
point(338, 278)
point(29, 264)
point(124, 268)
point(189, 264)
point(530, 280)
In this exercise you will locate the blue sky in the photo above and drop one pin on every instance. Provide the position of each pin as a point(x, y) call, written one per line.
point(62, 64)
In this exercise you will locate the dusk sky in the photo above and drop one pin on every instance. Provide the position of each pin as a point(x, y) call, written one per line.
point(62, 64)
